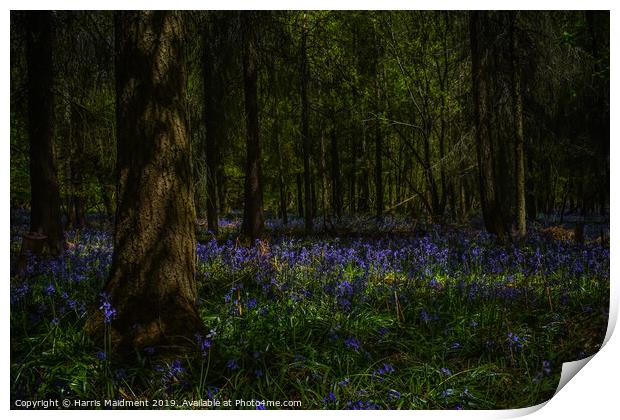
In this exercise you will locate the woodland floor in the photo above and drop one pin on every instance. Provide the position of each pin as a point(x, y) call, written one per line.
point(364, 315)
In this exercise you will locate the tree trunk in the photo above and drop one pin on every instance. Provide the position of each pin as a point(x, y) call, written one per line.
point(324, 183)
point(213, 118)
point(75, 212)
point(45, 196)
point(221, 185)
point(364, 187)
point(300, 196)
point(278, 144)
point(151, 283)
point(378, 161)
point(518, 127)
point(335, 169)
point(378, 134)
point(530, 202)
point(253, 222)
point(305, 130)
point(486, 177)
point(353, 176)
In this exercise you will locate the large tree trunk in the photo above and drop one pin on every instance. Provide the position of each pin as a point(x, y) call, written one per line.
point(518, 127)
point(486, 177)
point(253, 222)
point(44, 191)
point(151, 283)
point(305, 129)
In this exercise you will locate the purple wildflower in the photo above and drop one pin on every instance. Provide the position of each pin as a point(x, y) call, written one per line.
point(50, 290)
point(352, 343)
point(109, 313)
point(331, 398)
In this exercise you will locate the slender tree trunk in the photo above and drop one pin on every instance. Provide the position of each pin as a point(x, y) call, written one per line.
point(353, 176)
point(314, 201)
point(300, 196)
point(490, 207)
point(364, 193)
point(305, 130)
point(378, 163)
point(213, 118)
point(378, 135)
point(44, 191)
point(253, 222)
point(76, 218)
point(518, 127)
point(281, 182)
point(151, 283)
point(221, 184)
point(324, 183)
point(530, 201)
point(335, 169)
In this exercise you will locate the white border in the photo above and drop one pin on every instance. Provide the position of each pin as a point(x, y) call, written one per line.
point(593, 394)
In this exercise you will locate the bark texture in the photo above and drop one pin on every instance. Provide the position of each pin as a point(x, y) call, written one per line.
point(518, 129)
point(305, 128)
point(45, 197)
point(253, 221)
point(152, 284)
point(486, 177)
point(213, 117)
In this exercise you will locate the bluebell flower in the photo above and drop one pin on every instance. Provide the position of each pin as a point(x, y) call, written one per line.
point(232, 364)
point(101, 355)
point(212, 392)
point(205, 343)
point(331, 398)
point(446, 371)
point(176, 368)
point(362, 405)
point(109, 313)
point(447, 392)
point(514, 341)
point(352, 343)
point(385, 369)
point(50, 290)
point(344, 382)
point(251, 303)
point(393, 395)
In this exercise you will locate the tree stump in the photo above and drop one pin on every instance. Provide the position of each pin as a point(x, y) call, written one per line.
point(33, 243)
point(579, 233)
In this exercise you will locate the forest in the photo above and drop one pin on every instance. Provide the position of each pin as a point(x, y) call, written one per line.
point(306, 209)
